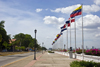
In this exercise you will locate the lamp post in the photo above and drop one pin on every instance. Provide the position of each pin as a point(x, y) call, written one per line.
point(64, 47)
point(35, 45)
point(42, 48)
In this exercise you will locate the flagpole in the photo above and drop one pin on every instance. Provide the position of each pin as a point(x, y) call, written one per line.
point(62, 41)
point(70, 40)
point(82, 34)
point(75, 37)
point(67, 38)
point(70, 31)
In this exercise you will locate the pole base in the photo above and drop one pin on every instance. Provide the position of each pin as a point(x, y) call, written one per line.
point(71, 54)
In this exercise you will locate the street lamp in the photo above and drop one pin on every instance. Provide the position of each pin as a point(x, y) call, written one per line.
point(35, 45)
point(64, 47)
point(42, 48)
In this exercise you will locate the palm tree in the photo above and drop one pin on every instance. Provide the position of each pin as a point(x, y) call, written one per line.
point(3, 35)
point(2, 24)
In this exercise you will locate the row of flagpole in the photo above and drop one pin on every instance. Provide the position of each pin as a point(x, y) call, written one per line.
point(82, 34)
point(76, 12)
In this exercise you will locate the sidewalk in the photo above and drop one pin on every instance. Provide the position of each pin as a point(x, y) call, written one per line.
point(43, 60)
point(53, 60)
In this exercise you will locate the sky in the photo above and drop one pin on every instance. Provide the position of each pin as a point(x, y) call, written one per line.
point(47, 16)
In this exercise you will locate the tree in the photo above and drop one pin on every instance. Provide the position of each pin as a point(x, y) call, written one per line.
point(5, 44)
point(2, 24)
point(23, 39)
point(0, 37)
point(44, 48)
point(3, 36)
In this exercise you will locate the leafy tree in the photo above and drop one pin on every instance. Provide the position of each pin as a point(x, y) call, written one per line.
point(3, 36)
point(5, 44)
point(2, 24)
point(23, 39)
point(44, 48)
point(27, 40)
point(0, 37)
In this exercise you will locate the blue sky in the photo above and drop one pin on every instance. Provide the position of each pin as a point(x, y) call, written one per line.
point(47, 16)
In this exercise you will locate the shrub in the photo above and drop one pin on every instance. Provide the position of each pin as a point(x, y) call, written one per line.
point(50, 52)
point(84, 64)
point(64, 50)
point(79, 51)
point(95, 52)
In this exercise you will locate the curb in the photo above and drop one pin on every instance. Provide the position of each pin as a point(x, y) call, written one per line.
point(33, 61)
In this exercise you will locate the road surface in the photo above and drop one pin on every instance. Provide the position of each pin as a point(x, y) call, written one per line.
point(8, 59)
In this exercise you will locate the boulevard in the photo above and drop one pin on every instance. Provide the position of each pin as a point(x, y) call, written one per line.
point(8, 59)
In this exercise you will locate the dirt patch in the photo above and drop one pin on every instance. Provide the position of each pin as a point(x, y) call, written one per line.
point(11, 53)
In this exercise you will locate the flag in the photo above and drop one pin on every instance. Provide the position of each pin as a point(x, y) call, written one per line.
point(63, 26)
point(61, 33)
point(63, 29)
point(72, 20)
point(68, 22)
point(53, 42)
point(58, 36)
point(68, 25)
point(76, 12)
point(55, 39)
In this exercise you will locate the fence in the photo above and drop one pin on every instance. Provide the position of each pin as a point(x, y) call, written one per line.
point(81, 56)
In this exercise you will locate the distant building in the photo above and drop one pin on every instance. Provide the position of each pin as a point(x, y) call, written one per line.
point(12, 40)
point(12, 47)
point(92, 47)
point(87, 47)
point(50, 48)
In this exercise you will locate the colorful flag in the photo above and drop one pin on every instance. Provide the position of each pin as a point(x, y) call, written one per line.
point(76, 12)
point(53, 42)
point(63, 29)
point(61, 33)
point(55, 39)
point(72, 20)
point(68, 25)
point(68, 22)
point(57, 35)
point(63, 26)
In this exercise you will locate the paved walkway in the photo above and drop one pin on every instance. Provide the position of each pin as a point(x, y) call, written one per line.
point(43, 60)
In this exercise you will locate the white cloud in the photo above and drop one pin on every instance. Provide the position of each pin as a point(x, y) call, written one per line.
point(89, 20)
point(97, 35)
point(98, 27)
point(66, 10)
point(38, 10)
point(97, 2)
point(53, 20)
point(86, 9)
point(46, 9)
point(90, 8)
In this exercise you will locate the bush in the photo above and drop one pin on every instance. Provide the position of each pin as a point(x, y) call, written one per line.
point(84, 64)
point(79, 51)
point(64, 50)
point(50, 52)
point(95, 52)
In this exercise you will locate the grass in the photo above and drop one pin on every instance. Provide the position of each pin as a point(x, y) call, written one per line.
point(10, 53)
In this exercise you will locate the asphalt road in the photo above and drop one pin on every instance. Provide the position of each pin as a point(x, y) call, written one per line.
point(8, 59)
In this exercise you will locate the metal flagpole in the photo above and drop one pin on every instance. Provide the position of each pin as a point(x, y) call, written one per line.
point(70, 32)
point(62, 42)
point(82, 34)
point(67, 38)
point(70, 40)
point(75, 37)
